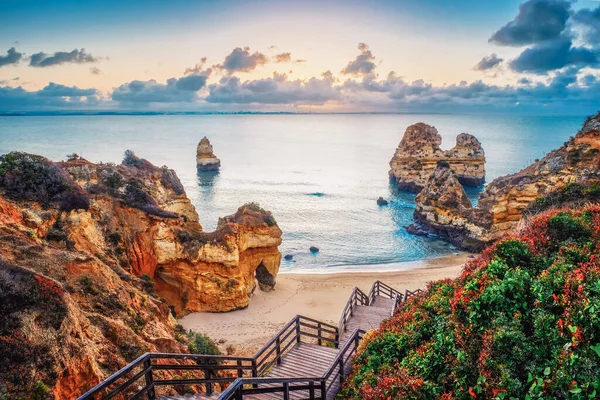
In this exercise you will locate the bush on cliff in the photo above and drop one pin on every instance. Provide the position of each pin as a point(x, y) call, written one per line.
point(522, 322)
point(34, 178)
point(572, 195)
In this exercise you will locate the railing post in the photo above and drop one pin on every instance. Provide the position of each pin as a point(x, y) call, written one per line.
point(341, 367)
point(207, 377)
point(254, 372)
point(298, 330)
point(278, 350)
point(240, 371)
point(286, 391)
point(149, 379)
point(311, 390)
point(323, 389)
point(319, 333)
point(337, 339)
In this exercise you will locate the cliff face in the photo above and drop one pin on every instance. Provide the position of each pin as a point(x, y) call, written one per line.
point(501, 205)
point(419, 152)
point(93, 257)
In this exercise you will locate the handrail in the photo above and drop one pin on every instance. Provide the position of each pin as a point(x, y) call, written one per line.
point(408, 293)
point(381, 289)
point(236, 390)
point(357, 296)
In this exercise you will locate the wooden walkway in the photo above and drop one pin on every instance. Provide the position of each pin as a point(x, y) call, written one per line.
point(306, 359)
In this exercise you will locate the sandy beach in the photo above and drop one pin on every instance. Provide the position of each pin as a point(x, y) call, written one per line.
point(320, 296)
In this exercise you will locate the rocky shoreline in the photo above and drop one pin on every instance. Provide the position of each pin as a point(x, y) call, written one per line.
point(443, 208)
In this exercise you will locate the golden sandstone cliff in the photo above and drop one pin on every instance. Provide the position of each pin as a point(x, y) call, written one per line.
point(95, 259)
point(443, 208)
point(419, 152)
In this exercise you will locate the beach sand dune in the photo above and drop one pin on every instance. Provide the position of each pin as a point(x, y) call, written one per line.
point(320, 296)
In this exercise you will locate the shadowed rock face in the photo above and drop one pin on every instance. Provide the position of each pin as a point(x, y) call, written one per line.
point(419, 152)
point(501, 205)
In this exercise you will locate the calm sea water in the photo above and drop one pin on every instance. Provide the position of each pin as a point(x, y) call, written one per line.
point(320, 175)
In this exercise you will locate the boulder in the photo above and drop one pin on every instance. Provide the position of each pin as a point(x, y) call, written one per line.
point(382, 202)
point(314, 249)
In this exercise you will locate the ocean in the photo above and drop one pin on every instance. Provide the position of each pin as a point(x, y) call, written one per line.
point(320, 174)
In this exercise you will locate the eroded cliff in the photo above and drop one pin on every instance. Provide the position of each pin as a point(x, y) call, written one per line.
point(94, 259)
point(504, 200)
point(419, 152)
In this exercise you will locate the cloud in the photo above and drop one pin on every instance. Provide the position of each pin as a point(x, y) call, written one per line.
point(363, 64)
point(589, 20)
point(300, 61)
point(275, 90)
point(53, 96)
point(240, 60)
point(42, 59)
point(488, 62)
point(182, 90)
point(537, 21)
point(95, 71)
point(552, 56)
point(12, 57)
point(199, 68)
point(283, 57)
point(58, 90)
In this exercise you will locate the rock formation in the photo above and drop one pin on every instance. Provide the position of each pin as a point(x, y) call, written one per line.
point(205, 158)
point(442, 206)
point(94, 258)
point(419, 152)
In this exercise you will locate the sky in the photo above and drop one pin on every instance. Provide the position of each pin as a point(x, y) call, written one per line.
point(509, 56)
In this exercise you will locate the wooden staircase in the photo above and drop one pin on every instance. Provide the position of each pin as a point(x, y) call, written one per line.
point(306, 359)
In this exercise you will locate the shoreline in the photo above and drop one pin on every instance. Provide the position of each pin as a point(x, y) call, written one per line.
point(376, 267)
point(320, 295)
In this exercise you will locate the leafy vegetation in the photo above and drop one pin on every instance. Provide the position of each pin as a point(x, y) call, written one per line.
point(34, 178)
point(572, 194)
point(522, 322)
point(202, 344)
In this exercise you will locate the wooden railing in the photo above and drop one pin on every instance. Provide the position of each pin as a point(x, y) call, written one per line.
point(290, 334)
point(358, 297)
point(408, 293)
point(138, 378)
point(381, 289)
point(313, 387)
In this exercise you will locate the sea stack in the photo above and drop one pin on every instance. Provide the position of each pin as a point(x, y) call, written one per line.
point(205, 158)
point(419, 152)
point(443, 207)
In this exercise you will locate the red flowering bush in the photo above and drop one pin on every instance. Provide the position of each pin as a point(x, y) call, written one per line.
point(521, 322)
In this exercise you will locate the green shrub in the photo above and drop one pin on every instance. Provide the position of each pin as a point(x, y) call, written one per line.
point(34, 178)
point(201, 344)
point(522, 322)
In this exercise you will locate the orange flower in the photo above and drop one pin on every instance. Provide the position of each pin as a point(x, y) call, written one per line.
point(472, 393)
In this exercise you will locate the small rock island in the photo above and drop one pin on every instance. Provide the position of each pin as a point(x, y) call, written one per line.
point(205, 158)
point(419, 152)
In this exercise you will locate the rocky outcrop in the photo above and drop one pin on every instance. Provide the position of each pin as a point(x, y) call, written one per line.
point(94, 259)
point(419, 152)
point(501, 205)
point(444, 209)
point(205, 158)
